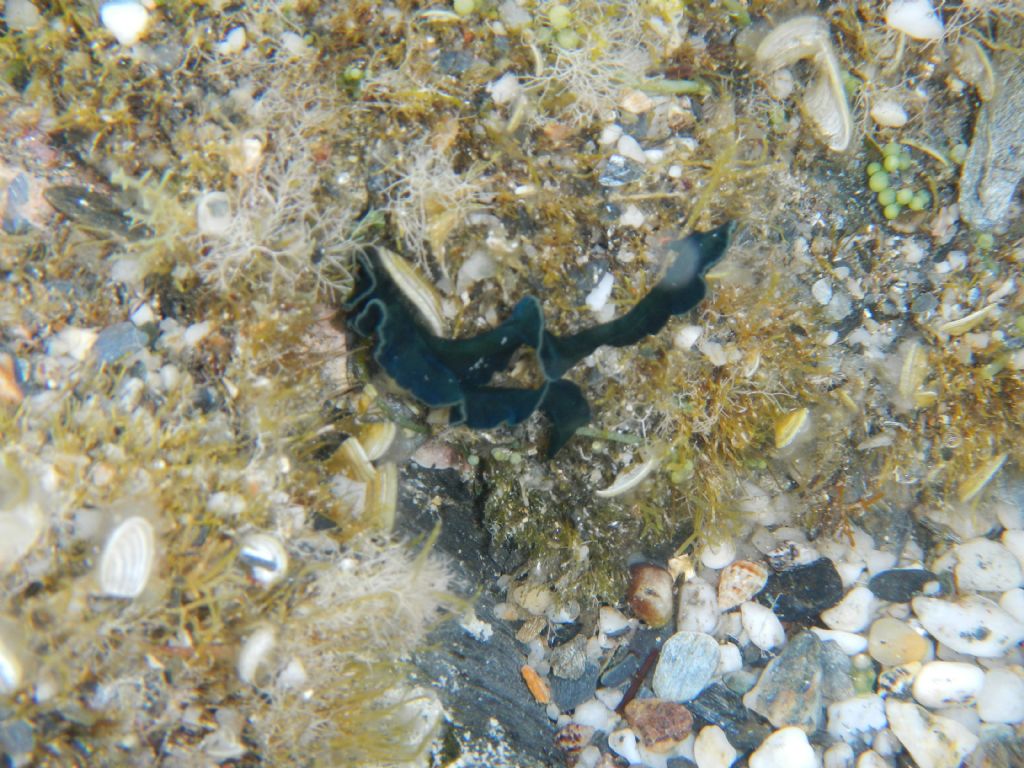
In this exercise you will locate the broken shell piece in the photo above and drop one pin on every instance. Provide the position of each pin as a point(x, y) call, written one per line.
point(382, 496)
point(377, 437)
point(977, 480)
point(265, 556)
point(10, 389)
point(630, 478)
point(127, 559)
point(789, 426)
point(416, 289)
point(255, 652)
point(650, 594)
point(350, 459)
point(824, 101)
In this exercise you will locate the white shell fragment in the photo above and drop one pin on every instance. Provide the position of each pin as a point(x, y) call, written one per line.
point(824, 101)
point(630, 478)
point(915, 18)
point(254, 653)
point(127, 559)
point(265, 556)
point(126, 20)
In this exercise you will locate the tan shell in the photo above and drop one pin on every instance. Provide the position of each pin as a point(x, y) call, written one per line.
point(739, 582)
point(382, 496)
point(789, 425)
point(417, 290)
point(980, 477)
point(377, 437)
point(351, 460)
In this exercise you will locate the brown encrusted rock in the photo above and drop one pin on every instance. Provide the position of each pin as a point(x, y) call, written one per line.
point(660, 724)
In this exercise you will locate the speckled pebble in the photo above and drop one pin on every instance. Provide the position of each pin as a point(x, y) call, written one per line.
point(687, 663)
point(856, 718)
point(986, 566)
point(739, 582)
point(973, 625)
point(799, 667)
point(698, 607)
point(947, 683)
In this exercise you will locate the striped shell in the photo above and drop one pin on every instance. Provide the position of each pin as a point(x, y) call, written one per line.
point(127, 559)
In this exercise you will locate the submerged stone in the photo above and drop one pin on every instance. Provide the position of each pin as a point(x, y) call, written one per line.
point(800, 594)
point(899, 585)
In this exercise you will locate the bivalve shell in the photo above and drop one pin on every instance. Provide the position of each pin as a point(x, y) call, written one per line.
point(377, 438)
point(255, 653)
point(789, 426)
point(127, 559)
point(416, 289)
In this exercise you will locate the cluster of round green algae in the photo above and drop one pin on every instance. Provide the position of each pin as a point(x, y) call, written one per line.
point(884, 176)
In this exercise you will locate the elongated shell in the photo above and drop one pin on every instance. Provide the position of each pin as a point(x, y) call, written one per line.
point(382, 496)
point(799, 38)
point(418, 291)
point(377, 437)
point(789, 425)
point(629, 478)
point(127, 559)
point(980, 477)
point(255, 653)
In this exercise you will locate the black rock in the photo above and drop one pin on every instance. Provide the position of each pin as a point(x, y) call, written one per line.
point(569, 694)
point(717, 705)
point(900, 584)
point(801, 593)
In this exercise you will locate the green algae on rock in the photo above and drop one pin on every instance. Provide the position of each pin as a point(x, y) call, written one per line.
point(456, 372)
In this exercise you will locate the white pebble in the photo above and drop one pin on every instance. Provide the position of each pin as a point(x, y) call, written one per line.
point(623, 743)
point(675, 171)
point(717, 556)
point(888, 113)
point(945, 683)
point(730, 659)
point(687, 336)
point(1002, 696)
point(595, 714)
point(857, 717)
point(698, 607)
point(599, 296)
point(233, 42)
point(266, 557)
point(143, 315)
point(839, 755)
point(632, 217)
point(973, 625)
point(126, 20)
point(786, 748)
point(916, 18)
point(984, 565)
point(822, 291)
point(73, 342)
point(1012, 602)
point(853, 612)
point(849, 643)
point(294, 44)
point(612, 621)
point(871, 759)
point(610, 134)
point(762, 625)
point(1013, 540)
point(711, 748)
point(630, 148)
point(196, 332)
